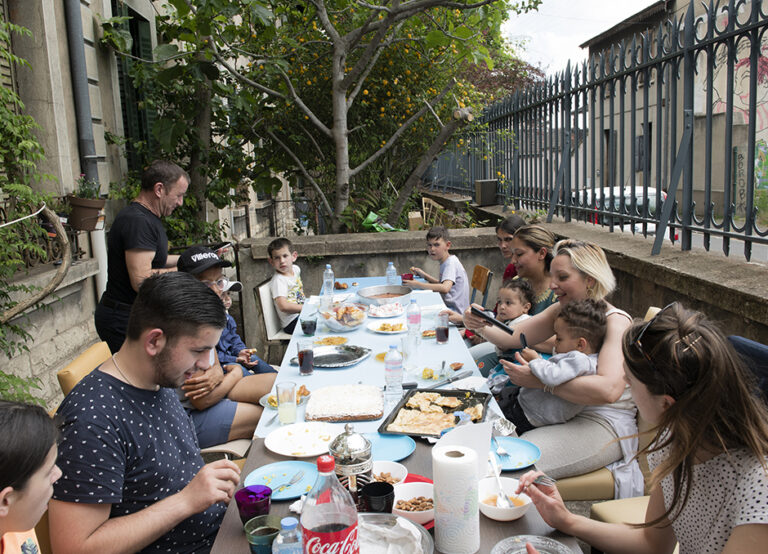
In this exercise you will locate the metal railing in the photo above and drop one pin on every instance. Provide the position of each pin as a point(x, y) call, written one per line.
point(656, 134)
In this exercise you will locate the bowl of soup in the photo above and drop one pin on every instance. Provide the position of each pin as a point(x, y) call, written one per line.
point(488, 491)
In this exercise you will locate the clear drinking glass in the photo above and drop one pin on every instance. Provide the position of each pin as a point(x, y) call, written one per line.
point(286, 402)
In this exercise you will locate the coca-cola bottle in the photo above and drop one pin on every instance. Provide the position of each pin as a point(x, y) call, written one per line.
point(329, 516)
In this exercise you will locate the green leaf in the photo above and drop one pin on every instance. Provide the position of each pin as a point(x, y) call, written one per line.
point(209, 70)
point(463, 33)
point(436, 38)
point(181, 7)
point(165, 51)
point(169, 75)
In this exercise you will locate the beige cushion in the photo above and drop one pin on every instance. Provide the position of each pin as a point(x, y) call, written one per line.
point(82, 366)
point(626, 510)
point(597, 485)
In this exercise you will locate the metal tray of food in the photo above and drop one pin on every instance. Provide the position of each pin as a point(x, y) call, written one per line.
point(343, 355)
point(466, 399)
point(385, 294)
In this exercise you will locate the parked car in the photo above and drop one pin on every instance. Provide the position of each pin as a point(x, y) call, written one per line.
point(583, 198)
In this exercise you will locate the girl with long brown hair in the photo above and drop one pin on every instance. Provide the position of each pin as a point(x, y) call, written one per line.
point(709, 455)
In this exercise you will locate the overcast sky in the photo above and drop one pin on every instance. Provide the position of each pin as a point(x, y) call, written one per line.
point(553, 33)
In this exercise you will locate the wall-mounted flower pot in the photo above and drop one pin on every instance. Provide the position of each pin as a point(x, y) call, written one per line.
point(86, 212)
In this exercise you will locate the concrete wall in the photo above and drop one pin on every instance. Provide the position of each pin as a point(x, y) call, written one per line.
point(734, 293)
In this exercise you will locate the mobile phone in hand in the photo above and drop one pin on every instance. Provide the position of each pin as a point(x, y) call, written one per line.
point(487, 315)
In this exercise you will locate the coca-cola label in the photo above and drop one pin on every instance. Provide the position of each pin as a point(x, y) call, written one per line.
point(342, 541)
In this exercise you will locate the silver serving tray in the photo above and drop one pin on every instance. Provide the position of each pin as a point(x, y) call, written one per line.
point(343, 355)
point(367, 293)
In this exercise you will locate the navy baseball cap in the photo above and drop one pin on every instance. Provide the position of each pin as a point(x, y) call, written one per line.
point(197, 259)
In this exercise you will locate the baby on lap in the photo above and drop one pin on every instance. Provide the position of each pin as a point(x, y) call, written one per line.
point(579, 333)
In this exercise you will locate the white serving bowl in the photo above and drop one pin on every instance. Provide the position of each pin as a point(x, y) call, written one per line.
point(397, 471)
point(487, 487)
point(407, 491)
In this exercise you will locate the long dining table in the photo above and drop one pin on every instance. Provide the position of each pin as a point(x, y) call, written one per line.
point(231, 537)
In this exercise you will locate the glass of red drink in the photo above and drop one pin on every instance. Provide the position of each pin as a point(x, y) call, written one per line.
point(306, 356)
point(441, 329)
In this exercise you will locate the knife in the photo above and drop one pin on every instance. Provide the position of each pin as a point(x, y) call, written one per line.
point(456, 377)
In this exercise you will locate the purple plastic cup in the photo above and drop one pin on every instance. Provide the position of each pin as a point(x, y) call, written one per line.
point(253, 501)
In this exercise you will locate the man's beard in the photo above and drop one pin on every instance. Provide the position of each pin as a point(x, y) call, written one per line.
point(165, 376)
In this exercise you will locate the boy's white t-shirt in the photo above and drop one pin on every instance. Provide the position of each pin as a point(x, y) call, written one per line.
point(456, 299)
point(291, 287)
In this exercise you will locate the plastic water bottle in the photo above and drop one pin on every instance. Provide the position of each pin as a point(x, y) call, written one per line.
point(393, 374)
point(392, 274)
point(413, 316)
point(289, 539)
point(328, 280)
point(329, 516)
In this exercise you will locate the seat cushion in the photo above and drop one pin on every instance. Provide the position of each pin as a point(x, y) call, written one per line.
point(82, 366)
point(597, 485)
point(626, 510)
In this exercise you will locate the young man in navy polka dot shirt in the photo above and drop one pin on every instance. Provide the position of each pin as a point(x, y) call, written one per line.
point(133, 478)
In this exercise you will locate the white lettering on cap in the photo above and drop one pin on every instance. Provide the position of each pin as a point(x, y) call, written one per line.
point(203, 256)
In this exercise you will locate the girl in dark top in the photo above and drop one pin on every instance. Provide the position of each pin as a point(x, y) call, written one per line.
point(27, 472)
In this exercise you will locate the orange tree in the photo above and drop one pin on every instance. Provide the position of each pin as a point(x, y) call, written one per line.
point(351, 96)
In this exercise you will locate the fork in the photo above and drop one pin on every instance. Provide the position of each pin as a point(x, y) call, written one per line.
point(500, 450)
point(545, 481)
point(295, 479)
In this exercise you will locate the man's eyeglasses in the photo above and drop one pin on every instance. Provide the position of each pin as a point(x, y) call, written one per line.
point(638, 341)
point(222, 284)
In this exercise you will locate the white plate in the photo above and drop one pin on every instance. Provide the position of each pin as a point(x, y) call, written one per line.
point(264, 404)
point(376, 325)
point(301, 440)
point(385, 311)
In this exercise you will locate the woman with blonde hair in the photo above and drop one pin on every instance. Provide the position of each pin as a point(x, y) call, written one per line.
point(709, 455)
point(579, 270)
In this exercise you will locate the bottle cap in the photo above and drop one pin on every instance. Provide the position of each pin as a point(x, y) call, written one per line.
point(325, 463)
point(327, 266)
point(289, 523)
point(391, 346)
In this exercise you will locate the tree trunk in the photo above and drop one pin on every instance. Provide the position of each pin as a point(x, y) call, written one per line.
point(461, 117)
point(340, 139)
point(198, 181)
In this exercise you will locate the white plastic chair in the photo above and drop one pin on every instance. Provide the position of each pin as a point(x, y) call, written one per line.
point(271, 328)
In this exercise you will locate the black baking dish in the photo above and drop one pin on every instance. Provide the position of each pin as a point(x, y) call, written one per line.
point(469, 398)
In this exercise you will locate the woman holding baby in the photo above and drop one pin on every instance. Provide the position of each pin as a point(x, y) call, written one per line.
point(579, 270)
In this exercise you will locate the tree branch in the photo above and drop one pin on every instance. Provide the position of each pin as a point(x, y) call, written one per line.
point(396, 135)
point(66, 261)
point(304, 172)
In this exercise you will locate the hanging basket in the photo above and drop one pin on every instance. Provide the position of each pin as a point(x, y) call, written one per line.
point(86, 213)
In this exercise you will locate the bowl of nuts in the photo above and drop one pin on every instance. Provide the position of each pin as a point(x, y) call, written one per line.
point(389, 472)
point(415, 502)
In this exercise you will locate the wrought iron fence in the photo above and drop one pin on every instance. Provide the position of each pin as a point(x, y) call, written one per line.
point(664, 133)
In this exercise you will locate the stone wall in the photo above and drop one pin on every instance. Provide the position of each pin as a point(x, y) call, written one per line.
point(60, 330)
point(358, 255)
point(733, 292)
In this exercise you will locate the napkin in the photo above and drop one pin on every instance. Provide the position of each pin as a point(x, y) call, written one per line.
point(401, 538)
point(476, 437)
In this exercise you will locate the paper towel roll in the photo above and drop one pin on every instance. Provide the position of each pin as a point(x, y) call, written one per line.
point(457, 520)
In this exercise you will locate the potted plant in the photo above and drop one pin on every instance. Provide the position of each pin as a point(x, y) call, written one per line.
point(86, 204)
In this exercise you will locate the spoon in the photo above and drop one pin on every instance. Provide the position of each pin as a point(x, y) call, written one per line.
point(501, 499)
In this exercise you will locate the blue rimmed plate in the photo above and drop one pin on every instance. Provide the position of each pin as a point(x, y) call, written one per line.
point(521, 453)
point(390, 448)
point(279, 473)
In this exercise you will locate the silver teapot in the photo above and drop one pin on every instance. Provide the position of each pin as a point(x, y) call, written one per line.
point(352, 453)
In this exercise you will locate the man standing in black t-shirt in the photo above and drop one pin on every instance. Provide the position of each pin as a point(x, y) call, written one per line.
point(137, 247)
